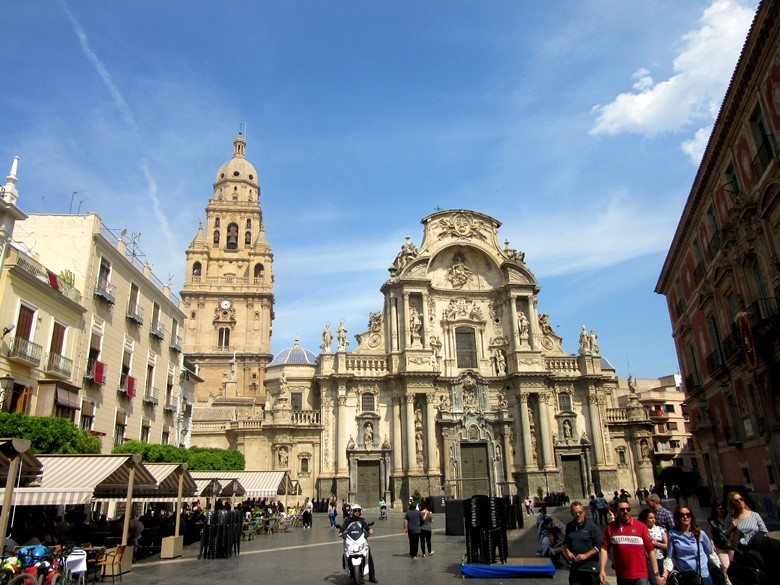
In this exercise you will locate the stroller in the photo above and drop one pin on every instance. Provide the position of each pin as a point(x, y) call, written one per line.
point(382, 510)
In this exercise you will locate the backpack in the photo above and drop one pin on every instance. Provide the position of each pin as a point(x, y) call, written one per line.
point(748, 569)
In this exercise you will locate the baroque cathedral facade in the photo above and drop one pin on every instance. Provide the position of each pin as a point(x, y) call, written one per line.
point(457, 385)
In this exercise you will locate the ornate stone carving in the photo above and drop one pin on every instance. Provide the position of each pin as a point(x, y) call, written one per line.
point(407, 254)
point(544, 324)
point(375, 322)
point(342, 336)
point(351, 443)
point(503, 403)
point(513, 254)
point(461, 225)
point(459, 275)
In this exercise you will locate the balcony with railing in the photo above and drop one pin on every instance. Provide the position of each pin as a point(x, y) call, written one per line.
point(58, 365)
point(701, 271)
point(176, 343)
point(693, 382)
point(151, 396)
point(656, 414)
point(135, 313)
point(716, 243)
point(96, 372)
point(105, 290)
point(715, 360)
point(126, 385)
point(25, 352)
point(762, 310)
point(157, 330)
point(763, 158)
point(171, 404)
point(24, 262)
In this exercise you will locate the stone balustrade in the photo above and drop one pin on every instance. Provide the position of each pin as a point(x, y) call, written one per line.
point(367, 366)
point(561, 364)
point(617, 415)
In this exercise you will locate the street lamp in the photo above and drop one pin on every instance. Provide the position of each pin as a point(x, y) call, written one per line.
point(6, 383)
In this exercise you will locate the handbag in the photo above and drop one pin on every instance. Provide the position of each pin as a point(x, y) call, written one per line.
point(688, 577)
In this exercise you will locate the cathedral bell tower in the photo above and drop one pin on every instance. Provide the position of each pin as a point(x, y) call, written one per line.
point(228, 292)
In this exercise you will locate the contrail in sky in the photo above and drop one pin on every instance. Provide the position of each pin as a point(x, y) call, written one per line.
point(124, 108)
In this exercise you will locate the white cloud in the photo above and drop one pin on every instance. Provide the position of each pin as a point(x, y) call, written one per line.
point(702, 70)
point(694, 147)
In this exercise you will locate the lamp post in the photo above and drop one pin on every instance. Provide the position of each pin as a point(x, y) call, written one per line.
point(6, 383)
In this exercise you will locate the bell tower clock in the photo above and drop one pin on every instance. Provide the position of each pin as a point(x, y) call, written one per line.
point(228, 291)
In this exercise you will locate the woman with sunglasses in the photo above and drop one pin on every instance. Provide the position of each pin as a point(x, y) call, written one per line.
point(718, 531)
point(743, 523)
point(688, 552)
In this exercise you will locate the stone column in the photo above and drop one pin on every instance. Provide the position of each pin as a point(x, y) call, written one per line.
point(404, 324)
point(424, 330)
point(544, 422)
point(525, 427)
point(397, 441)
point(595, 426)
point(513, 316)
point(393, 324)
point(508, 453)
point(411, 452)
point(343, 439)
point(430, 433)
point(533, 324)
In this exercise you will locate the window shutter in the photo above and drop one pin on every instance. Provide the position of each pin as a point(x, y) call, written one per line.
point(100, 372)
point(130, 386)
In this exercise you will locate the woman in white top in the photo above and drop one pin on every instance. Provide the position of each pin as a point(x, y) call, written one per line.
point(742, 522)
point(657, 534)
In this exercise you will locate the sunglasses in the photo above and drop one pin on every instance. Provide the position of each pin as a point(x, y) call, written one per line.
point(685, 514)
point(624, 509)
point(736, 499)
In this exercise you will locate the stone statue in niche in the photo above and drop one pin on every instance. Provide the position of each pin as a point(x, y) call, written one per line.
point(645, 449)
point(385, 443)
point(567, 433)
point(444, 403)
point(368, 434)
point(351, 443)
point(584, 438)
point(533, 446)
point(522, 325)
point(418, 445)
point(584, 341)
point(342, 336)
point(415, 324)
point(500, 362)
point(327, 338)
point(593, 344)
point(283, 456)
point(503, 403)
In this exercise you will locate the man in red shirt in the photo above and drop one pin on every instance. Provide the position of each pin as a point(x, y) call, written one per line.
point(631, 546)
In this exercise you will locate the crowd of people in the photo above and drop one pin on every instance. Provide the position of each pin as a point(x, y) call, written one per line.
point(657, 547)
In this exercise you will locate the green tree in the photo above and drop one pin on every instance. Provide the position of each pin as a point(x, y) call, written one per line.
point(196, 458)
point(48, 434)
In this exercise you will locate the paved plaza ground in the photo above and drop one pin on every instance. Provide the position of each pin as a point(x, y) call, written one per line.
point(313, 556)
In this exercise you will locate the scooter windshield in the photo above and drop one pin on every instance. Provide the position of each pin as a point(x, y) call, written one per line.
point(354, 530)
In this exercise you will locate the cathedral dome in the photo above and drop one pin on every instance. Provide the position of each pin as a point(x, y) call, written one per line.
point(295, 355)
point(238, 168)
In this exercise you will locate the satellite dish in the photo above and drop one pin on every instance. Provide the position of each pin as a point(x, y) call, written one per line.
point(123, 233)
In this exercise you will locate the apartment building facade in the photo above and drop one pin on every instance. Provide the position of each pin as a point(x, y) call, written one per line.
point(721, 279)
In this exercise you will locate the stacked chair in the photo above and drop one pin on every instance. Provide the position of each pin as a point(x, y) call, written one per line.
point(485, 523)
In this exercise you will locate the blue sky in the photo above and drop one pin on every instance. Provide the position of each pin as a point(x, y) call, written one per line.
point(578, 124)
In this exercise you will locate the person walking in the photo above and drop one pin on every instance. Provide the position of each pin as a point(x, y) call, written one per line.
point(594, 509)
point(412, 522)
point(689, 549)
point(581, 547)
point(426, 529)
point(743, 523)
point(663, 517)
point(630, 544)
point(718, 535)
point(308, 512)
point(657, 534)
point(603, 507)
point(332, 513)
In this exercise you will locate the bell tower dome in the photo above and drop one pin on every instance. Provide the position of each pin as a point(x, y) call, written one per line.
point(228, 291)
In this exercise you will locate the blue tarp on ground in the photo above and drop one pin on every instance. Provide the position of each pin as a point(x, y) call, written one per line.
point(508, 571)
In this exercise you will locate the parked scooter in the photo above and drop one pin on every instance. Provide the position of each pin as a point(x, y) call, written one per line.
point(356, 551)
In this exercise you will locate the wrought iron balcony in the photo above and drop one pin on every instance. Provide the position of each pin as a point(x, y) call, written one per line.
point(58, 365)
point(126, 385)
point(176, 343)
point(150, 396)
point(157, 330)
point(135, 313)
point(105, 290)
point(25, 351)
point(762, 310)
point(171, 404)
point(715, 361)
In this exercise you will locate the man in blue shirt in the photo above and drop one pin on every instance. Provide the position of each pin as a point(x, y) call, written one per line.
point(581, 547)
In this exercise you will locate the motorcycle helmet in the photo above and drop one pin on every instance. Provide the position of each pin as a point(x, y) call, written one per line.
point(356, 508)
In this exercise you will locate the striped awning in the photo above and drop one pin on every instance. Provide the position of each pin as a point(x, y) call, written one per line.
point(258, 484)
point(106, 475)
point(166, 476)
point(216, 487)
point(35, 496)
point(30, 467)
